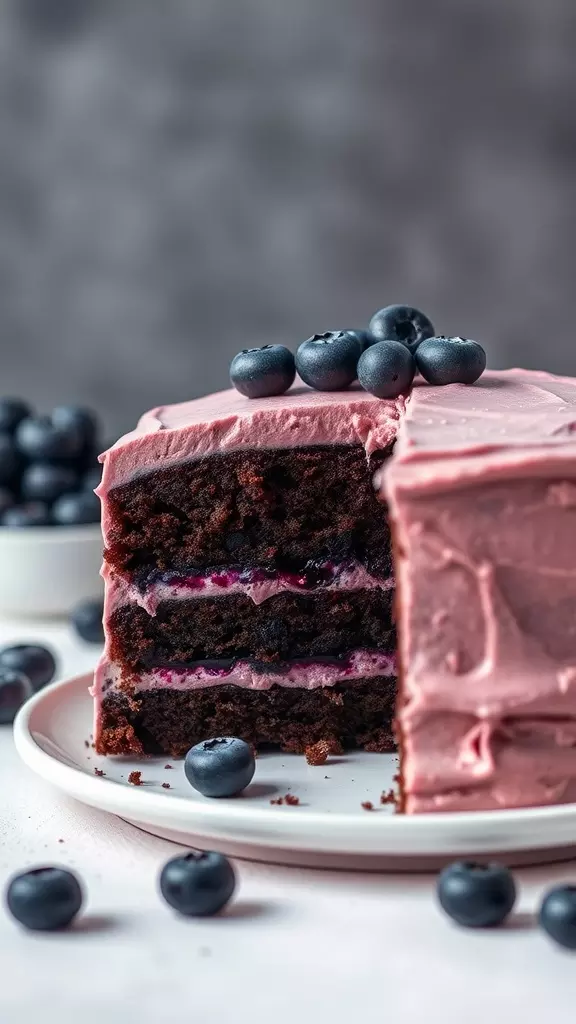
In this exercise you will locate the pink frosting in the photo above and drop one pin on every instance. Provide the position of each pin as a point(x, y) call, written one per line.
point(482, 493)
point(224, 582)
point(357, 665)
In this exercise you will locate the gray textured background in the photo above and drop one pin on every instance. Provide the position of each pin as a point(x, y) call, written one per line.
point(181, 179)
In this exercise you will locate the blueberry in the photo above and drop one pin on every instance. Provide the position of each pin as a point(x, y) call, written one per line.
point(450, 360)
point(261, 372)
point(34, 513)
point(42, 481)
point(82, 421)
point(15, 688)
point(76, 509)
point(198, 884)
point(7, 499)
point(39, 439)
point(220, 767)
point(366, 338)
point(328, 361)
point(44, 899)
point(558, 915)
point(92, 479)
point(9, 460)
point(35, 662)
point(87, 621)
point(386, 369)
point(401, 323)
point(476, 895)
point(12, 412)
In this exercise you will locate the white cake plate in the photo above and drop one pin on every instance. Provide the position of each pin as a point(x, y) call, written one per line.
point(328, 828)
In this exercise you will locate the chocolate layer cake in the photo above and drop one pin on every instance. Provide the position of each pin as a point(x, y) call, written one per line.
point(250, 582)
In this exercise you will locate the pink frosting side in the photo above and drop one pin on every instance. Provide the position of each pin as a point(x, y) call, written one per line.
point(482, 492)
point(357, 665)
point(226, 582)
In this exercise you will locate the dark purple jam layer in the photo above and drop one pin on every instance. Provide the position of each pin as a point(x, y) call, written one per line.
point(164, 721)
point(271, 509)
point(286, 627)
point(310, 576)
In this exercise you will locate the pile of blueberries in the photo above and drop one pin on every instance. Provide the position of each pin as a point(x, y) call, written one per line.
point(48, 465)
point(400, 341)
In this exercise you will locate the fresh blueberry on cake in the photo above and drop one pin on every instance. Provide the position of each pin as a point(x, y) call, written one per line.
point(325, 565)
point(476, 895)
point(450, 360)
point(558, 915)
point(328, 362)
point(44, 899)
point(220, 767)
point(386, 369)
point(401, 323)
point(262, 372)
point(35, 662)
point(198, 884)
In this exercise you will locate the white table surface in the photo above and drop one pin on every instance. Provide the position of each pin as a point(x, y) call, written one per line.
point(297, 945)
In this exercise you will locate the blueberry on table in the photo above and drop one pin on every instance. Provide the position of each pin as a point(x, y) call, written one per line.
point(366, 338)
point(386, 369)
point(35, 662)
point(450, 360)
point(87, 621)
point(39, 439)
point(198, 884)
point(263, 372)
point(76, 509)
point(42, 481)
point(401, 323)
point(558, 915)
point(12, 412)
point(220, 767)
point(32, 513)
point(9, 460)
point(328, 362)
point(44, 899)
point(476, 895)
point(15, 688)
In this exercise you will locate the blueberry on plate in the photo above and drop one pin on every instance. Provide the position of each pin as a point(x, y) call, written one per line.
point(44, 899)
point(386, 369)
point(39, 439)
point(476, 895)
point(262, 372)
point(9, 460)
point(87, 621)
point(401, 323)
point(42, 481)
point(220, 767)
point(35, 662)
point(77, 418)
point(33, 513)
point(328, 362)
point(7, 500)
point(558, 915)
point(15, 688)
point(76, 509)
point(12, 412)
point(198, 884)
point(450, 360)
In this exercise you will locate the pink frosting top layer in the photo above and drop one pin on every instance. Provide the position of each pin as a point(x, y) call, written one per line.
point(482, 492)
point(227, 421)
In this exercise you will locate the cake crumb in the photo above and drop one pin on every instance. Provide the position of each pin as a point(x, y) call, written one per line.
point(278, 801)
point(166, 785)
point(167, 766)
point(292, 800)
point(396, 778)
point(367, 805)
point(135, 778)
point(317, 754)
point(87, 744)
point(99, 772)
point(388, 797)
point(60, 840)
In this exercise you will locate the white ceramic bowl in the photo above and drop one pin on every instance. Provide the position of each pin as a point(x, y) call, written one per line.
point(47, 570)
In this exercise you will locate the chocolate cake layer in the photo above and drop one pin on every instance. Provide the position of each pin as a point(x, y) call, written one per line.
point(169, 722)
point(261, 507)
point(284, 627)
